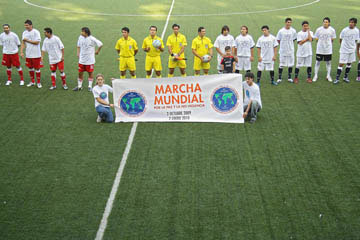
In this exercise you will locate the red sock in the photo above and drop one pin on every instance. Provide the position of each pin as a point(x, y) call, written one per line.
point(32, 76)
point(63, 78)
point(8, 74)
point(38, 76)
point(53, 80)
point(21, 73)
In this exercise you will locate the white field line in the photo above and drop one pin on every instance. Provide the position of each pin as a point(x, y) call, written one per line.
point(174, 15)
point(115, 187)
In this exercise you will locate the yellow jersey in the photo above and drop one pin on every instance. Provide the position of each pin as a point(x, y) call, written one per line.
point(127, 47)
point(201, 45)
point(147, 43)
point(176, 43)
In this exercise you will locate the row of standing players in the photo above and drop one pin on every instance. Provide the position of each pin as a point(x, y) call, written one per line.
point(234, 55)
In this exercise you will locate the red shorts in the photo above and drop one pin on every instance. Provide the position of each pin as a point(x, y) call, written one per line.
point(59, 65)
point(86, 68)
point(34, 63)
point(11, 60)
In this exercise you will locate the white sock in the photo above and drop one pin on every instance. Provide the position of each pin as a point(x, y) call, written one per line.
point(79, 83)
point(317, 67)
point(328, 68)
point(90, 82)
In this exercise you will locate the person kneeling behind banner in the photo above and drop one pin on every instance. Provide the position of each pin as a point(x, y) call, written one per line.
point(102, 104)
point(252, 99)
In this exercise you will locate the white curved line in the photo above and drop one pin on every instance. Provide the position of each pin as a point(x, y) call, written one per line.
point(174, 15)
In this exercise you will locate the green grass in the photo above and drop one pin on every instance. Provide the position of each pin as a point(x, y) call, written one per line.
point(270, 180)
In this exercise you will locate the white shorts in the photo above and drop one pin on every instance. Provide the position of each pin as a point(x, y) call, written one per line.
point(266, 66)
point(304, 61)
point(347, 58)
point(287, 61)
point(243, 63)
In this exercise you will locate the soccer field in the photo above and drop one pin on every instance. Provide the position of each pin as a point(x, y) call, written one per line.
point(294, 174)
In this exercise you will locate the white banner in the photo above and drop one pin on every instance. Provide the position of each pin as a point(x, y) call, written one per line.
point(212, 98)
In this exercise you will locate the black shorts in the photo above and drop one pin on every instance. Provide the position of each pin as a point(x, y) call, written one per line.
point(321, 57)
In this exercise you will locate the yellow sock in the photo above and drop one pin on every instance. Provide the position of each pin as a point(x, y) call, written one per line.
point(148, 76)
point(183, 75)
point(206, 74)
point(122, 77)
point(158, 76)
point(133, 77)
point(196, 75)
point(170, 75)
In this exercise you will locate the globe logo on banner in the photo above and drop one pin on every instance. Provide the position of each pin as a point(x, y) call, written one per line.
point(225, 100)
point(132, 104)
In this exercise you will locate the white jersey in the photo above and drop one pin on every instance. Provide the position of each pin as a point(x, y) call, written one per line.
point(221, 42)
point(87, 49)
point(10, 43)
point(244, 44)
point(286, 38)
point(103, 93)
point(53, 47)
point(349, 39)
point(32, 50)
point(304, 50)
point(251, 93)
point(325, 36)
point(267, 45)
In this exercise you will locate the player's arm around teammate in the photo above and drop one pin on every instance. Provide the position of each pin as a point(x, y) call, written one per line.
point(201, 46)
point(176, 44)
point(153, 46)
point(127, 48)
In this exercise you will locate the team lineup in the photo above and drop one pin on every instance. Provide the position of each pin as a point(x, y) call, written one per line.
point(233, 54)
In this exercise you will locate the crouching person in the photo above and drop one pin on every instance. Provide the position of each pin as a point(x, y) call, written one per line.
point(102, 104)
point(252, 99)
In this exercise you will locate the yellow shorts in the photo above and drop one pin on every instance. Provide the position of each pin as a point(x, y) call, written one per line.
point(198, 64)
point(153, 62)
point(127, 63)
point(174, 64)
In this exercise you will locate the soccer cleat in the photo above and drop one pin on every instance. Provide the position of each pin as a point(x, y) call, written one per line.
point(329, 78)
point(22, 83)
point(290, 80)
point(309, 80)
point(39, 85)
point(274, 83)
point(77, 89)
point(336, 81)
point(252, 120)
point(315, 78)
point(296, 80)
point(30, 84)
point(279, 81)
point(90, 89)
point(346, 80)
point(8, 83)
point(52, 88)
point(65, 87)
point(258, 83)
point(358, 79)
point(98, 119)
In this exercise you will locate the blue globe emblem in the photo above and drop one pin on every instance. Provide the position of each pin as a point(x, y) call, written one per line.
point(103, 95)
point(224, 100)
point(132, 104)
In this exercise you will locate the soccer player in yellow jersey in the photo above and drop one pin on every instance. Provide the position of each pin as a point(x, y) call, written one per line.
point(127, 48)
point(176, 44)
point(201, 46)
point(153, 59)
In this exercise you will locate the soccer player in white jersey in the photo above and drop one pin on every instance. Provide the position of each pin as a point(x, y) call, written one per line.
point(55, 49)
point(222, 41)
point(11, 43)
point(86, 47)
point(349, 37)
point(286, 37)
point(324, 36)
point(31, 41)
point(304, 51)
point(267, 53)
point(244, 50)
